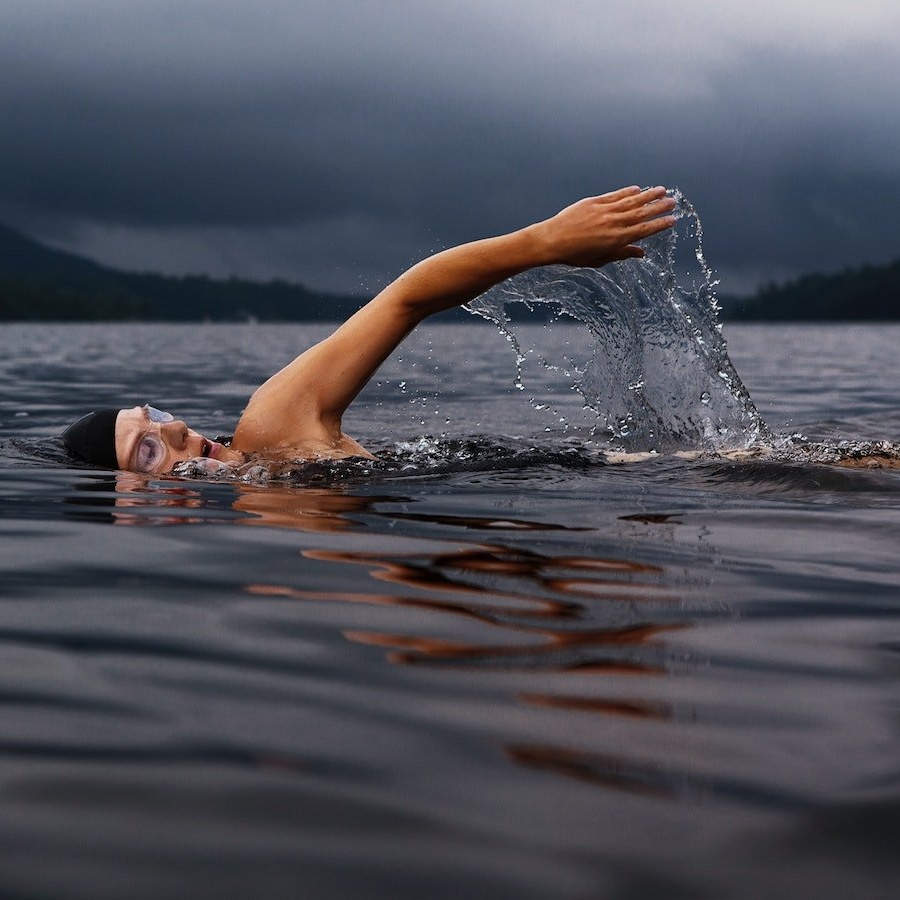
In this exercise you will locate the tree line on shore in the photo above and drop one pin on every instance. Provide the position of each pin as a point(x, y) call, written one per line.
point(38, 283)
point(158, 298)
point(863, 294)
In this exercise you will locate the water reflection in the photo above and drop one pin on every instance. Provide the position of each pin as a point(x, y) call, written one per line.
point(588, 620)
point(132, 499)
point(317, 510)
point(598, 769)
point(629, 709)
point(512, 606)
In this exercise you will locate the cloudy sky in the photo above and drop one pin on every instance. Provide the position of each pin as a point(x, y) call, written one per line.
point(334, 142)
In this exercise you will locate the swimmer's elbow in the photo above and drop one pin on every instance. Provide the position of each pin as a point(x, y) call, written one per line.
point(405, 303)
point(424, 291)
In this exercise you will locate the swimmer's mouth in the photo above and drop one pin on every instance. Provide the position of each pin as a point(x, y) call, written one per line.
point(206, 449)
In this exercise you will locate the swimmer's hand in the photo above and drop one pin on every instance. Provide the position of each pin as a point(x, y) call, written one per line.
point(599, 230)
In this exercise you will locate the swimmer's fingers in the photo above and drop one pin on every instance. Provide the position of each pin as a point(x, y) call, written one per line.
point(628, 199)
point(630, 250)
point(641, 199)
point(619, 195)
point(645, 229)
point(648, 211)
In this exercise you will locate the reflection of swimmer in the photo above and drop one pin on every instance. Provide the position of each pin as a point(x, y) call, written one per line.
point(297, 413)
point(134, 501)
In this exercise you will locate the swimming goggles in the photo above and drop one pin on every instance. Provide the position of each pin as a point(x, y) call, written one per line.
point(157, 415)
point(151, 451)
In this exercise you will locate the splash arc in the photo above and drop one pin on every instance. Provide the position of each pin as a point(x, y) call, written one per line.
point(657, 371)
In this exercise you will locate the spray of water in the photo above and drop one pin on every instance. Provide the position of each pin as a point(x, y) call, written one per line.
point(657, 372)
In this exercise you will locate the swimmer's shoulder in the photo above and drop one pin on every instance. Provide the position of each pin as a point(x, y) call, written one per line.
point(315, 449)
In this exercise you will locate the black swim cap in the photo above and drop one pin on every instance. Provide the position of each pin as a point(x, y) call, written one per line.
point(93, 438)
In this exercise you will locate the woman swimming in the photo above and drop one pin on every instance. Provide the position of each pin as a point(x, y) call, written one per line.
point(297, 413)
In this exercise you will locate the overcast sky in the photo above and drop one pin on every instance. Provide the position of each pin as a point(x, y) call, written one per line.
point(336, 142)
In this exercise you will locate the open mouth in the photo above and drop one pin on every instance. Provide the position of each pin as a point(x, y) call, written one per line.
point(206, 448)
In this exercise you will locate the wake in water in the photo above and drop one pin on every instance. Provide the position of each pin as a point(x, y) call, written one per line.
point(425, 456)
point(657, 372)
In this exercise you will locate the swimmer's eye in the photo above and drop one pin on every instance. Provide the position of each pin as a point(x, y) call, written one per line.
point(150, 453)
point(157, 415)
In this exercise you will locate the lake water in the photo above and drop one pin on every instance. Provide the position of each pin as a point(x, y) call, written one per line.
point(493, 666)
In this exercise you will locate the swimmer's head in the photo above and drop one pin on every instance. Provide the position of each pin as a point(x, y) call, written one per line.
point(141, 439)
point(92, 438)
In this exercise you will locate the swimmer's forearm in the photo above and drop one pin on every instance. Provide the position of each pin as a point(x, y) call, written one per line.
point(455, 276)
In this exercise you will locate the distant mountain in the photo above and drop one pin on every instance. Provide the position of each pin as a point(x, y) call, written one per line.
point(22, 257)
point(865, 294)
point(40, 283)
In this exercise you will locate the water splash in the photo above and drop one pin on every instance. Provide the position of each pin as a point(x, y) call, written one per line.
point(657, 371)
point(424, 456)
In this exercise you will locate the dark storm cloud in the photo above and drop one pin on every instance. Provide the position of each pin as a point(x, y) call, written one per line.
point(298, 139)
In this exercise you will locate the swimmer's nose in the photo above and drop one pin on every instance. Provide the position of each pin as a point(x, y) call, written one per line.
point(176, 434)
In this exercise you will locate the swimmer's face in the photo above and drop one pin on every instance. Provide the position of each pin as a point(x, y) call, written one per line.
point(154, 442)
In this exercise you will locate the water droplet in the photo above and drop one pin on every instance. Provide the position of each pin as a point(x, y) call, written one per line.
point(704, 398)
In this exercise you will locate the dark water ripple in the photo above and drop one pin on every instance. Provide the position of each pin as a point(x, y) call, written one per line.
point(518, 672)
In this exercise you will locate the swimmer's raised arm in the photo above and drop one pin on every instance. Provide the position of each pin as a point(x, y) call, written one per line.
point(306, 399)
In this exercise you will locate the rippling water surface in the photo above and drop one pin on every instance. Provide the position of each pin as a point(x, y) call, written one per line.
point(490, 666)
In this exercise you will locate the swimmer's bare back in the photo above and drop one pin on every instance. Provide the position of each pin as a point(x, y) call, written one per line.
point(849, 455)
point(297, 413)
point(872, 461)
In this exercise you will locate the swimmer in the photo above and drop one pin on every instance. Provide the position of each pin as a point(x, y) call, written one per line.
point(297, 413)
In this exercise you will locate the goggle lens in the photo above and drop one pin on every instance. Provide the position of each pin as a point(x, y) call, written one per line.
point(151, 453)
point(157, 415)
